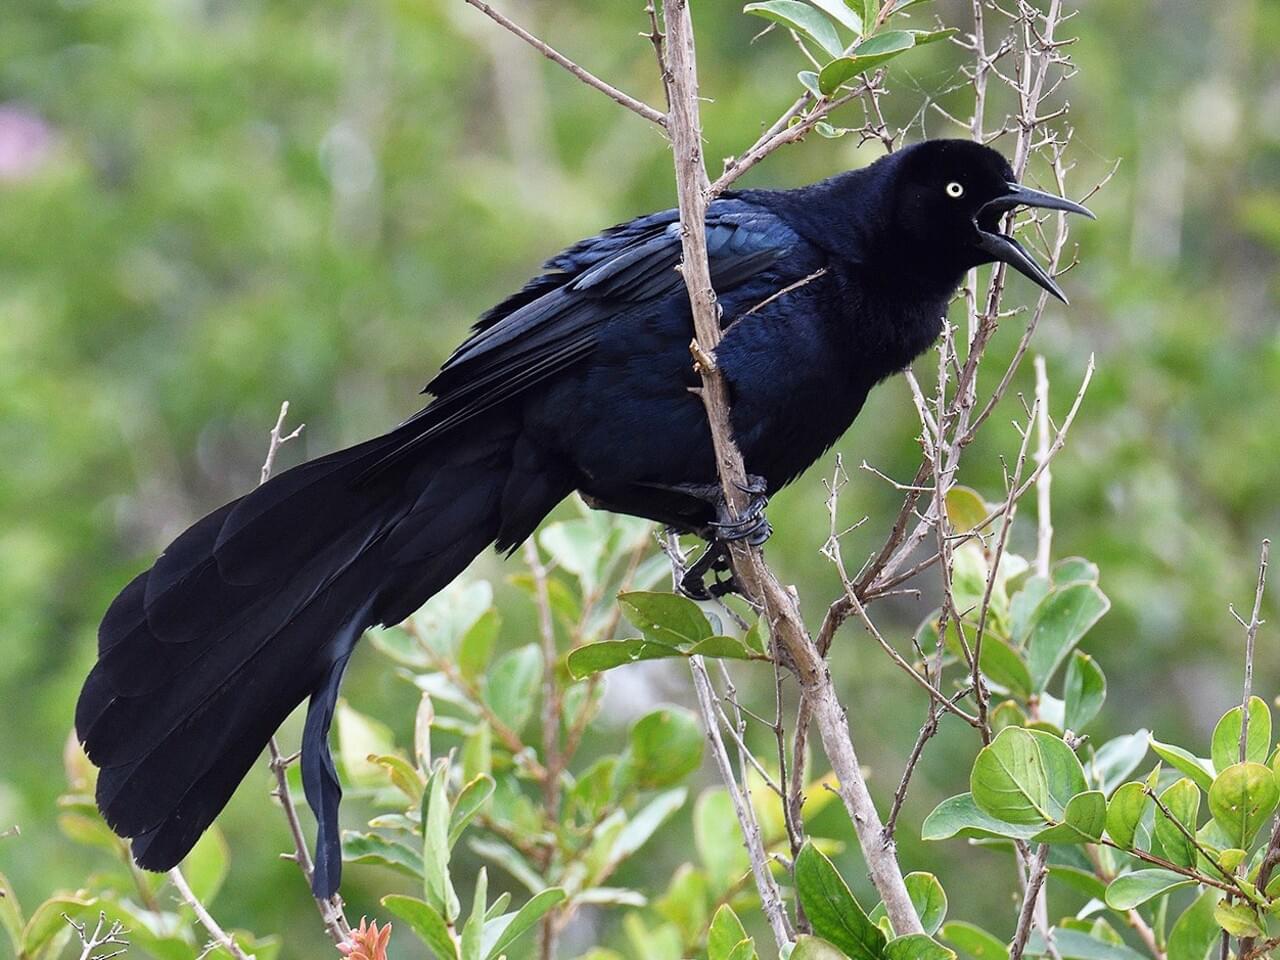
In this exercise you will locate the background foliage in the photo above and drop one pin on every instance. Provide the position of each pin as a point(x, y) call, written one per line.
point(207, 207)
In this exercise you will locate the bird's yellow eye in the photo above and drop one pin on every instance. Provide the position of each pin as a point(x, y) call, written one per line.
point(955, 190)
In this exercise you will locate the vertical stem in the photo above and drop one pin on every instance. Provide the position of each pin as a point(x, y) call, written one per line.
point(771, 899)
point(758, 582)
point(1044, 517)
point(552, 707)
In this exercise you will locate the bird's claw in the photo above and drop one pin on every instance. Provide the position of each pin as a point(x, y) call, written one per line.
point(751, 525)
point(714, 560)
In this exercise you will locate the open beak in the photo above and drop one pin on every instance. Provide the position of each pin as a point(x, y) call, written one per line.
point(1004, 248)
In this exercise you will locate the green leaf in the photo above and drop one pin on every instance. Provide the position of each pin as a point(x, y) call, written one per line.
point(718, 840)
point(403, 775)
point(959, 816)
point(839, 11)
point(974, 941)
point(1196, 930)
point(512, 684)
point(929, 899)
point(885, 44)
point(1185, 762)
point(1226, 736)
point(815, 948)
point(1116, 759)
point(1005, 666)
point(510, 859)
point(1074, 570)
point(1084, 819)
point(665, 747)
point(1136, 888)
point(916, 946)
point(932, 36)
point(685, 902)
point(725, 934)
point(374, 849)
point(722, 648)
point(1026, 777)
point(809, 80)
point(446, 617)
point(468, 803)
point(835, 73)
point(1059, 624)
point(666, 618)
point(1242, 799)
point(1084, 692)
point(577, 547)
point(1238, 919)
point(10, 913)
point(870, 13)
point(46, 921)
point(802, 18)
point(474, 927)
point(646, 822)
point(437, 885)
point(1183, 801)
point(1023, 606)
point(1078, 945)
point(476, 647)
point(965, 507)
point(831, 908)
point(205, 867)
point(425, 922)
point(525, 917)
point(597, 657)
point(359, 738)
point(1124, 813)
point(477, 753)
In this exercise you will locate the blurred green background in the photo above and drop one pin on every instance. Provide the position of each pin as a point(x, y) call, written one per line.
point(209, 206)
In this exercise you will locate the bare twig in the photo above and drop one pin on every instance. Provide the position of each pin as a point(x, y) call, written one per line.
point(215, 930)
point(1044, 516)
point(335, 921)
point(113, 936)
point(555, 56)
point(1026, 916)
point(771, 899)
point(757, 580)
point(1251, 637)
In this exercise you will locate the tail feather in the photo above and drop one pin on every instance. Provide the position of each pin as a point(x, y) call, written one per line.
point(259, 605)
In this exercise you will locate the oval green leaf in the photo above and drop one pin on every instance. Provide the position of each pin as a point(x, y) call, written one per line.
point(831, 908)
point(1242, 799)
point(1124, 813)
point(1225, 748)
point(1026, 777)
point(1136, 888)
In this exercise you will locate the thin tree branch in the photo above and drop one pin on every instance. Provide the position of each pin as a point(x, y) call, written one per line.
point(223, 938)
point(757, 580)
point(771, 899)
point(335, 921)
point(1026, 916)
point(555, 56)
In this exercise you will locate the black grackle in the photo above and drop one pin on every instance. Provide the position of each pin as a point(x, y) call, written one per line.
point(577, 382)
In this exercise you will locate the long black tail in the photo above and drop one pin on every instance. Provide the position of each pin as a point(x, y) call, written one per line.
point(258, 606)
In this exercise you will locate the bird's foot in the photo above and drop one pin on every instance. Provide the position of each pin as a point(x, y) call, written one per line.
point(714, 561)
point(751, 525)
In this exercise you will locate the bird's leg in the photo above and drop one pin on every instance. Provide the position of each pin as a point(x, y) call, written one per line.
point(752, 526)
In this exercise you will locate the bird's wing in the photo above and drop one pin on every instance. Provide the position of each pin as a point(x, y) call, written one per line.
point(554, 322)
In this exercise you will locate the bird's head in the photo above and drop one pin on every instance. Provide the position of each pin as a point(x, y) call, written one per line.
point(950, 196)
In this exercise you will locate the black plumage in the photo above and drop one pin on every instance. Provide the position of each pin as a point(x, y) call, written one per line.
point(580, 381)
